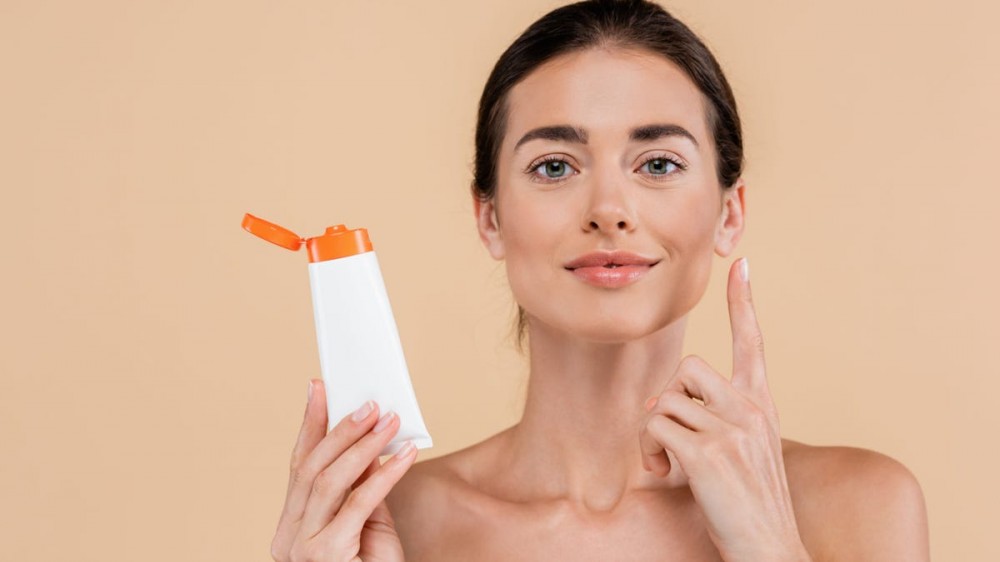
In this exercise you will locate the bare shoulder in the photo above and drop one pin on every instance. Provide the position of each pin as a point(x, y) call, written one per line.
point(448, 476)
point(856, 504)
point(423, 488)
point(435, 500)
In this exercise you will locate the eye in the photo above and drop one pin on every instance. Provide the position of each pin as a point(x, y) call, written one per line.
point(661, 165)
point(555, 168)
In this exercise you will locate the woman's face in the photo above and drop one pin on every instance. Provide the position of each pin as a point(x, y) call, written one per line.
point(656, 195)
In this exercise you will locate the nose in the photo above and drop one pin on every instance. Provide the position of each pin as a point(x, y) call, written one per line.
point(609, 210)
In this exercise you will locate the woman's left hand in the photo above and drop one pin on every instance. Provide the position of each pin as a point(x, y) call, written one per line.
point(730, 447)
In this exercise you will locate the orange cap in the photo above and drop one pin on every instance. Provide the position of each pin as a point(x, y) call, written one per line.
point(337, 242)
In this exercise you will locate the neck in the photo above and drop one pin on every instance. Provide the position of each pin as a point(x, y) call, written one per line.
point(579, 436)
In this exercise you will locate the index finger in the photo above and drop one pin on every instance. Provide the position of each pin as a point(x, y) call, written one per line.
point(749, 374)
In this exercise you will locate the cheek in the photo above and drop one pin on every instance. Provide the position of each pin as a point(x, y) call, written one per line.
point(684, 226)
point(533, 238)
point(687, 233)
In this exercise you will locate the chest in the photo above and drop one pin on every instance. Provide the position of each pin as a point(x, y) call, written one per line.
point(530, 537)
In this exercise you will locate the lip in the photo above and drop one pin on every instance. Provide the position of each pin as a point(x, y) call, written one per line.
point(593, 268)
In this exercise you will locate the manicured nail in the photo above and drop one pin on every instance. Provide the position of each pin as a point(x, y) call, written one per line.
point(406, 449)
point(362, 412)
point(745, 270)
point(309, 393)
point(384, 421)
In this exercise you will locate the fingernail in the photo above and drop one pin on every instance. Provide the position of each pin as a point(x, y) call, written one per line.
point(384, 421)
point(650, 403)
point(405, 450)
point(745, 270)
point(362, 412)
point(309, 393)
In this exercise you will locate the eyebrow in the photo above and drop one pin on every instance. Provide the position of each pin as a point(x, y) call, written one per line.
point(569, 133)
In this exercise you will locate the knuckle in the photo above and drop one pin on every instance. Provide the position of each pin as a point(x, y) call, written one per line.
point(328, 486)
point(295, 553)
point(717, 451)
point(742, 443)
point(306, 553)
point(719, 447)
point(707, 454)
point(325, 483)
point(659, 429)
point(313, 554)
point(301, 475)
point(758, 420)
point(296, 460)
point(649, 433)
point(345, 426)
point(671, 400)
point(689, 361)
point(346, 431)
point(279, 552)
point(655, 426)
point(741, 439)
point(356, 500)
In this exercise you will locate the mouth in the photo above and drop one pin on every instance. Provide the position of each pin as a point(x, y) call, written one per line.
point(610, 270)
point(610, 260)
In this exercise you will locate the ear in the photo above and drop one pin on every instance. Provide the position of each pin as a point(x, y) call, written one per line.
point(729, 230)
point(489, 227)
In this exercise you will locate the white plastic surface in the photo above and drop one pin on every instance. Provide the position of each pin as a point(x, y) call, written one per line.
point(360, 354)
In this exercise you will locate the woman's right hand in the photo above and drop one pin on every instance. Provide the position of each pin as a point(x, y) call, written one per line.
point(335, 505)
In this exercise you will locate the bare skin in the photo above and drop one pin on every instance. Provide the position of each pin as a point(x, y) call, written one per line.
point(850, 504)
point(626, 450)
point(568, 482)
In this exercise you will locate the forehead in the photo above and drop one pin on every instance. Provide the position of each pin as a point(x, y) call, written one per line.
point(606, 92)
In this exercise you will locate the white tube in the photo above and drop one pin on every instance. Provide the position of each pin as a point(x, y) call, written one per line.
point(360, 354)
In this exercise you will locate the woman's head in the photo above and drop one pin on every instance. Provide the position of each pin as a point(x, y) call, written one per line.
point(571, 157)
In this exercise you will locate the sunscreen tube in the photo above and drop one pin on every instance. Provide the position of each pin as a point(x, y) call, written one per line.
point(360, 354)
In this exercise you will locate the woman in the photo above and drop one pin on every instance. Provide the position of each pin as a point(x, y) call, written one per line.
point(608, 162)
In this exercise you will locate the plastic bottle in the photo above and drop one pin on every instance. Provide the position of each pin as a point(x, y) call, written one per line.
point(360, 354)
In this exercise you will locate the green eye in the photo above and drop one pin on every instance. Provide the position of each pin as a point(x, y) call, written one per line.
point(555, 169)
point(659, 166)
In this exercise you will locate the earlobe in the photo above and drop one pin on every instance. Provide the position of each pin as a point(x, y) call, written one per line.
point(489, 227)
point(731, 220)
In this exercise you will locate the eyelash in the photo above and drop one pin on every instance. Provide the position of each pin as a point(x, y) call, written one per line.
point(553, 158)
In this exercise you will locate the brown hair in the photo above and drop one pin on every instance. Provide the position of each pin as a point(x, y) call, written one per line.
point(604, 23)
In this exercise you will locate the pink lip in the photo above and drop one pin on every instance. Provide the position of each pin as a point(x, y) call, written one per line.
point(594, 268)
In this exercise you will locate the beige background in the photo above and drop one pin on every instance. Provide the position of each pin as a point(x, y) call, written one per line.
point(155, 355)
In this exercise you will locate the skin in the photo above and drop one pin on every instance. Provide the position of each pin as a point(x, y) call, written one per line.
point(613, 458)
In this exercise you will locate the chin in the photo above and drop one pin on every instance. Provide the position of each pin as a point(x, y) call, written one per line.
point(608, 328)
point(611, 317)
point(605, 333)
